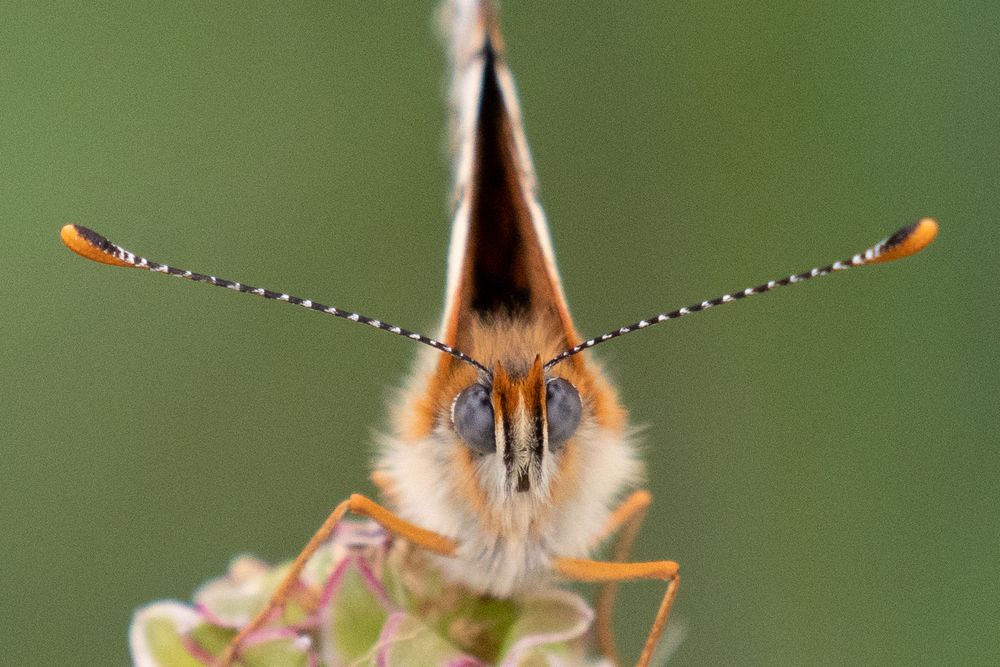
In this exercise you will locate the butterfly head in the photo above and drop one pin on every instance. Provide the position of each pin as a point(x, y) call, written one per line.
point(515, 423)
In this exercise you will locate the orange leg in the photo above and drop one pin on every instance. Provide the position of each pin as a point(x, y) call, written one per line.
point(357, 504)
point(631, 510)
point(627, 519)
point(604, 572)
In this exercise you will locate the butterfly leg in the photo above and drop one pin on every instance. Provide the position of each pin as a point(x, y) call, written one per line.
point(593, 571)
point(357, 504)
point(626, 521)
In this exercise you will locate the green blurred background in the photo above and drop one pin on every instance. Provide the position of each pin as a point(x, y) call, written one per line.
point(824, 460)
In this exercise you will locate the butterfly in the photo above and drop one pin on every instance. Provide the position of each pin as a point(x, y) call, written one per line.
point(511, 459)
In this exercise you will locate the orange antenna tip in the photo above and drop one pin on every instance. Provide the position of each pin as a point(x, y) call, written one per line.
point(89, 244)
point(908, 240)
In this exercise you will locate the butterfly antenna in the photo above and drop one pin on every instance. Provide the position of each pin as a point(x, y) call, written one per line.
point(906, 241)
point(88, 243)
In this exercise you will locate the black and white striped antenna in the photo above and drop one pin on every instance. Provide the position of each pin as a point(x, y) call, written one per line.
point(906, 241)
point(88, 243)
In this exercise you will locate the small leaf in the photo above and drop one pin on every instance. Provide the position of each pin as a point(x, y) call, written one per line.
point(354, 617)
point(157, 635)
point(233, 599)
point(212, 638)
point(552, 621)
point(405, 641)
point(276, 647)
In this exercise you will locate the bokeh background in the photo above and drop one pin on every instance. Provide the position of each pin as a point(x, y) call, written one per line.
point(824, 460)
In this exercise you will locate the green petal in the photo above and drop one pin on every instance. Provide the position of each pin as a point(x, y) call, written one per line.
point(212, 638)
point(406, 642)
point(234, 598)
point(354, 618)
point(280, 652)
point(156, 635)
point(549, 625)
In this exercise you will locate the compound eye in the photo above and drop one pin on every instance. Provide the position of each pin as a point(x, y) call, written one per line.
point(563, 409)
point(472, 415)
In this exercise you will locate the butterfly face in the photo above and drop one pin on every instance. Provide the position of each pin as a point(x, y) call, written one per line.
point(519, 433)
point(520, 419)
